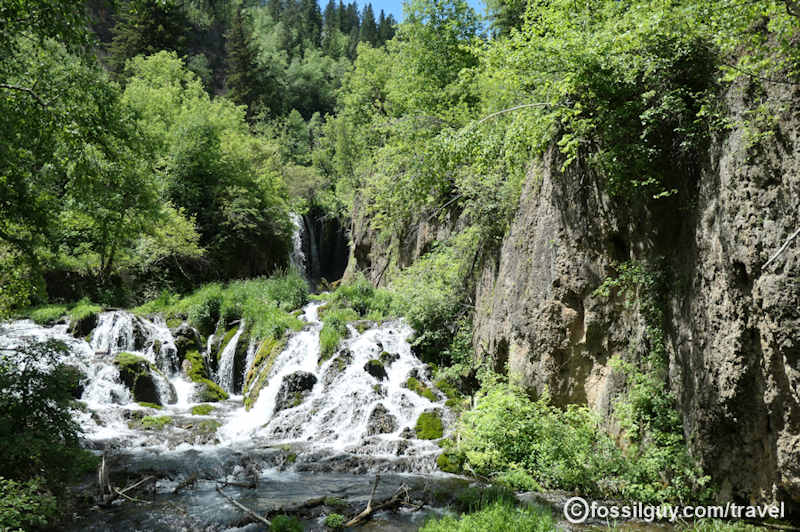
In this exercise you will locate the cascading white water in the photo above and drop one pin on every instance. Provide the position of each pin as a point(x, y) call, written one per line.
point(336, 412)
point(297, 258)
point(227, 359)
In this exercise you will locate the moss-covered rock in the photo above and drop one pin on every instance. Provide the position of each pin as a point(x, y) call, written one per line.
point(206, 391)
point(150, 405)
point(229, 334)
point(258, 375)
point(136, 373)
point(202, 410)
point(82, 326)
point(155, 422)
point(429, 425)
point(389, 358)
point(375, 368)
point(420, 389)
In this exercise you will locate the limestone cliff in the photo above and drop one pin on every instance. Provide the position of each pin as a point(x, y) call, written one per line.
point(733, 326)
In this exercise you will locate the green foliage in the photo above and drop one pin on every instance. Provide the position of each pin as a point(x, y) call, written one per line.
point(83, 309)
point(202, 410)
point(263, 304)
point(531, 444)
point(335, 521)
point(48, 314)
point(431, 294)
point(285, 523)
point(25, 505)
point(498, 516)
point(560, 449)
point(38, 436)
point(429, 426)
point(648, 412)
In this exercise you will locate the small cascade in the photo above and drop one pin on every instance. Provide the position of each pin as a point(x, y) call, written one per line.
point(347, 408)
point(357, 405)
point(297, 258)
point(227, 359)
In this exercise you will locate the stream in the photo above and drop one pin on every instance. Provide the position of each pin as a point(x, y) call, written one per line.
point(329, 439)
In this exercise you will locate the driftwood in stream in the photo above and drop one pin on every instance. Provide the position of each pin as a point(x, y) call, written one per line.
point(400, 497)
point(108, 493)
point(243, 507)
point(188, 482)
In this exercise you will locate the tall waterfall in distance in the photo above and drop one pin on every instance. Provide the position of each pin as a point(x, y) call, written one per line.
point(297, 258)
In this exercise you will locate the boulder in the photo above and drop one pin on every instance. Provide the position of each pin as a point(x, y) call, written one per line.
point(381, 421)
point(294, 388)
point(375, 368)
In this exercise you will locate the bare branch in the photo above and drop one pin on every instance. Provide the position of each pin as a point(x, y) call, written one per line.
point(781, 250)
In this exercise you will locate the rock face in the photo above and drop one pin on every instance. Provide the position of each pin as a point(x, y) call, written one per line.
point(294, 388)
point(136, 374)
point(732, 321)
point(187, 339)
point(381, 421)
point(375, 368)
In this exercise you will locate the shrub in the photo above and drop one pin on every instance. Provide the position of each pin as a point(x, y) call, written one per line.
point(335, 521)
point(24, 505)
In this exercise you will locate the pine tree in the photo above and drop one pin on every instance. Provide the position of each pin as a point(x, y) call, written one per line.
point(145, 27)
point(242, 72)
point(386, 26)
point(369, 30)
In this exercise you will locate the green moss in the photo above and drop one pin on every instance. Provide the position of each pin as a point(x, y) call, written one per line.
point(155, 422)
point(150, 405)
point(335, 502)
point(202, 410)
point(329, 339)
point(83, 309)
point(420, 389)
point(208, 391)
point(429, 426)
point(450, 462)
point(291, 458)
point(174, 323)
point(266, 355)
point(130, 361)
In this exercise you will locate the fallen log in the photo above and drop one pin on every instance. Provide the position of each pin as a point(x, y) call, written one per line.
point(399, 497)
point(243, 507)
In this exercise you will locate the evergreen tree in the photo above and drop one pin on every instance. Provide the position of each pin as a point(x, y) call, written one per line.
point(385, 28)
point(312, 22)
point(242, 69)
point(146, 27)
point(369, 29)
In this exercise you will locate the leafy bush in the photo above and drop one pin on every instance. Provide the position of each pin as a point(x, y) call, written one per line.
point(334, 521)
point(263, 304)
point(497, 516)
point(24, 505)
point(37, 431)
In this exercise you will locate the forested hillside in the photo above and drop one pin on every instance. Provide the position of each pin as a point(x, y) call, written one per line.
point(587, 211)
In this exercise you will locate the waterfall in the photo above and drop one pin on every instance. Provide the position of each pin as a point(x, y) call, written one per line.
point(297, 258)
point(227, 360)
point(339, 407)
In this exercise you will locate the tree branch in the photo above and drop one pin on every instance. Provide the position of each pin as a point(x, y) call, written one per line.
point(30, 91)
point(781, 250)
